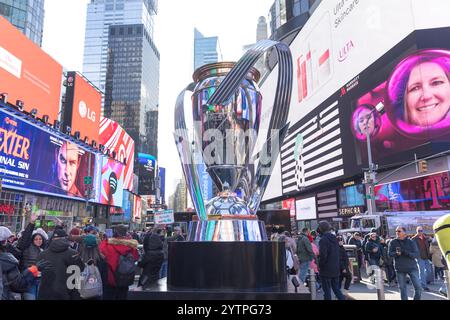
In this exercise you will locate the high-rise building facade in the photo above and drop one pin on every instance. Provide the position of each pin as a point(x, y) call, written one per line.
point(206, 49)
point(287, 17)
point(100, 15)
point(25, 15)
point(261, 29)
point(132, 84)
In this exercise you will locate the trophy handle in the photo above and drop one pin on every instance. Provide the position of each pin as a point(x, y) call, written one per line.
point(231, 83)
point(188, 163)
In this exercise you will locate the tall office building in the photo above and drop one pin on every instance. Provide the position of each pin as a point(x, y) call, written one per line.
point(261, 29)
point(100, 15)
point(132, 84)
point(25, 15)
point(206, 49)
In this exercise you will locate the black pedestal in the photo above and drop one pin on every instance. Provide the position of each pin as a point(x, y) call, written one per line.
point(227, 266)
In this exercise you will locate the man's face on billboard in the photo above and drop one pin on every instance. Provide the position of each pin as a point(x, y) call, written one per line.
point(67, 159)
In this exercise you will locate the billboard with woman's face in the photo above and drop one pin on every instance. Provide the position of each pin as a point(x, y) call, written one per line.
point(409, 109)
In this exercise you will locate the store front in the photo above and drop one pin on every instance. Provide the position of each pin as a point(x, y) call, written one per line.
point(351, 202)
point(11, 210)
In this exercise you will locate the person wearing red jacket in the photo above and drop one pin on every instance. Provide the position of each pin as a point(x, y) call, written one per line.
point(112, 249)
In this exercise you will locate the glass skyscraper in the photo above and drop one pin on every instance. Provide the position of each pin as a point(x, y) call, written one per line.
point(25, 15)
point(206, 49)
point(100, 15)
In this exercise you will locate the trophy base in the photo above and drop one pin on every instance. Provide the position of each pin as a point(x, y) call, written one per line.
point(230, 229)
point(227, 266)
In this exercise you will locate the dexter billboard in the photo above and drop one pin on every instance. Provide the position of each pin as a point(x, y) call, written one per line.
point(27, 73)
point(34, 159)
point(83, 106)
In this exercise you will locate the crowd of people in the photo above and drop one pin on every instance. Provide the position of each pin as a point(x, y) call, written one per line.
point(416, 259)
point(80, 263)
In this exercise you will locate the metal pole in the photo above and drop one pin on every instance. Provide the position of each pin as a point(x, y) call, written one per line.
point(447, 282)
point(370, 180)
point(312, 284)
point(379, 283)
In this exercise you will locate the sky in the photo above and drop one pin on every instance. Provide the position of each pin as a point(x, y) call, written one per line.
point(233, 21)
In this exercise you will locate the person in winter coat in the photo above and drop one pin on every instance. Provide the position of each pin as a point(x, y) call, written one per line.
point(65, 263)
point(305, 254)
point(90, 254)
point(423, 261)
point(388, 263)
point(374, 251)
point(344, 266)
point(113, 248)
point(405, 252)
point(329, 266)
point(436, 259)
point(355, 240)
point(152, 260)
point(11, 279)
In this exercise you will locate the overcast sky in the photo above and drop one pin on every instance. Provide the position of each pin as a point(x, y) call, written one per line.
point(233, 21)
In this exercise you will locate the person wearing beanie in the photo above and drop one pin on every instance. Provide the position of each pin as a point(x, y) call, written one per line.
point(31, 244)
point(112, 249)
point(329, 264)
point(91, 255)
point(54, 282)
point(12, 279)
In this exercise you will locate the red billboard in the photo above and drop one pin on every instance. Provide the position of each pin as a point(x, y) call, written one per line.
point(116, 139)
point(27, 73)
point(83, 106)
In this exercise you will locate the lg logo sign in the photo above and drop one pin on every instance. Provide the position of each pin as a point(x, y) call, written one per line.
point(85, 111)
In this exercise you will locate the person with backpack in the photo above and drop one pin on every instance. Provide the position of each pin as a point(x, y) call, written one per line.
point(305, 254)
point(11, 279)
point(152, 260)
point(65, 263)
point(96, 269)
point(121, 254)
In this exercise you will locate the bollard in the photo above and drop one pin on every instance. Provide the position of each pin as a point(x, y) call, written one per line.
point(379, 282)
point(447, 282)
point(312, 284)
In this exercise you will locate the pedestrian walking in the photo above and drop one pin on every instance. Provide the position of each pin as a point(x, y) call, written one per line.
point(405, 252)
point(152, 260)
point(423, 261)
point(344, 264)
point(329, 266)
point(374, 252)
point(355, 240)
point(388, 264)
point(305, 254)
point(436, 259)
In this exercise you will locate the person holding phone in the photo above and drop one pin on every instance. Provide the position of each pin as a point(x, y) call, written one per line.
point(405, 252)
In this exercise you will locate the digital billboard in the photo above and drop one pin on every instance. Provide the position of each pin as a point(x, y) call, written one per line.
point(306, 209)
point(162, 177)
point(83, 106)
point(116, 139)
point(137, 207)
point(147, 164)
point(111, 182)
point(34, 159)
point(27, 73)
point(340, 77)
point(127, 206)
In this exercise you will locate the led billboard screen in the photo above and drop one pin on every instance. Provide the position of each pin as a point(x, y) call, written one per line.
point(34, 159)
point(116, 139)
point(83, 106)
point(27, 73)
point(111, 183)
point(147, 165)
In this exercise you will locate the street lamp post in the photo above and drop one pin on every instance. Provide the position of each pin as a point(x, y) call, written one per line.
point(370, 175)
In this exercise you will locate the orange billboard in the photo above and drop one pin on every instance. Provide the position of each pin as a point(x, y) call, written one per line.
point(83, 106)
point(27, 73)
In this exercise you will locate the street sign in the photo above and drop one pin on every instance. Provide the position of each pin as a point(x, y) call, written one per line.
point(87, 180)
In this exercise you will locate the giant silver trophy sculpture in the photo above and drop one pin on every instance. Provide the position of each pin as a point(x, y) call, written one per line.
point(222, 134)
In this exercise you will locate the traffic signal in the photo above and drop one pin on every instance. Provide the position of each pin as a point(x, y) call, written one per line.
point(423, 166)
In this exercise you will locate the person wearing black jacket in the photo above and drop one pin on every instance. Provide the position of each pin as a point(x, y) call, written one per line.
point(344, 266)
point(374, 252)
point(355, 240)
point(329, 266)
point(152, 260)
point(405, 252)
point(12, 280)
point(54, 282)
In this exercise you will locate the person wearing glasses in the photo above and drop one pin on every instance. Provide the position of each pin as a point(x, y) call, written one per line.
point(405, 252)
point(423, 243)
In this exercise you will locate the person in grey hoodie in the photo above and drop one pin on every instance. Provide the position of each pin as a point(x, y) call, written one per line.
point(405, 252)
